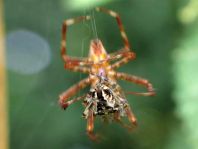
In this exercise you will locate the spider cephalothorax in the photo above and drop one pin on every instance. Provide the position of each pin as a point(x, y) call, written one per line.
point(105, 97)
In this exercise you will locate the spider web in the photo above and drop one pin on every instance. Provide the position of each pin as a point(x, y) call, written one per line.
point(20, 119)
point(91, 26)
point(23, 110)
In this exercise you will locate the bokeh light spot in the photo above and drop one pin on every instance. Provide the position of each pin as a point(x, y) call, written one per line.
point(189, 13)
point(27, 52)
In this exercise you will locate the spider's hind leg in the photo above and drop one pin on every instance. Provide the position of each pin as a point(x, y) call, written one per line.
point(117, 118)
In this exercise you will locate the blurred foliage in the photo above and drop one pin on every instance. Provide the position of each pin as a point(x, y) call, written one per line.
point(166, 51)
point(189, 13)
point(83, 4)
point(185, 59)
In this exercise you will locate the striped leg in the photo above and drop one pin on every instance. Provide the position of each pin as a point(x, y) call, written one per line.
point(68, 103)
point(131, 116)
point(125, 53)
point(126, 57)
point(137, 80)
point(75, 68)
point(71, 91)
point(90, 126)
point(120, 25)
point(71, 62)
point(117, 118)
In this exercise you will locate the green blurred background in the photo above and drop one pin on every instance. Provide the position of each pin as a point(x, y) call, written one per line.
point(164, 35)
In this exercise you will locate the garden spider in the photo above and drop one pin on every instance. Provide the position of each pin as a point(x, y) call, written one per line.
point(105, 97)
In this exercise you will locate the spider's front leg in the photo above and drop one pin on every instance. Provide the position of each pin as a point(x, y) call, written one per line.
point(137, 80)
point(71, 91)
point(125, 58)
point(126, 54)
point(72, 63)
point(120, 25)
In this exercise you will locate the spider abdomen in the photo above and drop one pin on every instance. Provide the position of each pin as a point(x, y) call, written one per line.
point(103, 99)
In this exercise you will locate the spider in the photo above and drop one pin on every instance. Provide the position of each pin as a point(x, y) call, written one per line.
point(105, 98)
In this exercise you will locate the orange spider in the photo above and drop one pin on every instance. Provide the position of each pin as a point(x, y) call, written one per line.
point(105, 98)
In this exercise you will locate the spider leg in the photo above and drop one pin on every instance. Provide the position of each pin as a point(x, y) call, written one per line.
point(72, 63)
point(71, 91)
point(126, 57)
point(125, 52)
point(131, 116)
point(76, 68)
point(68, 103)
point(90, 126)
point(137, 80)
point(120, 25)
point(117, 118)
